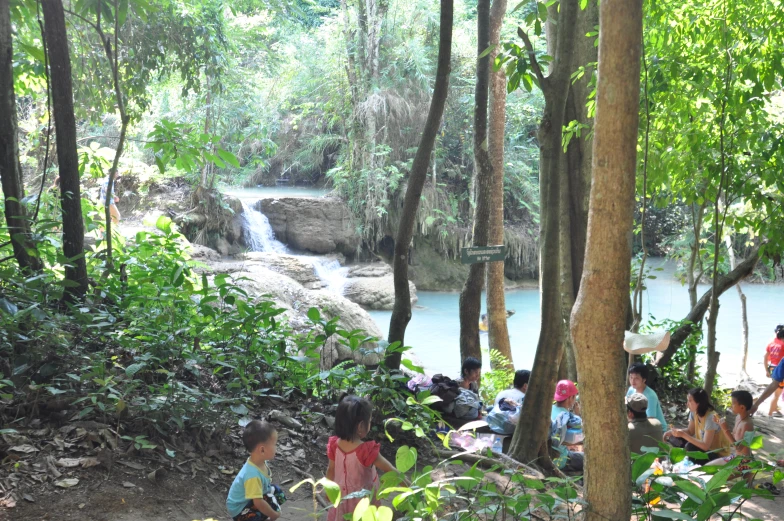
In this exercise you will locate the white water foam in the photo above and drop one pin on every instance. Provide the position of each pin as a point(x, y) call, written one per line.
point(257, 232)
point(259, 236)
point(330, 272)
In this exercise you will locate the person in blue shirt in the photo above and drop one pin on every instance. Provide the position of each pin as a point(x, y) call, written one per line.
point(778, 377)
point(252, 496)
point(638, 383)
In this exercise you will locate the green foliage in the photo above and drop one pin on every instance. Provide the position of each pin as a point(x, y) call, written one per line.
point(176, 143)
point(674, 380)
point(497, 379)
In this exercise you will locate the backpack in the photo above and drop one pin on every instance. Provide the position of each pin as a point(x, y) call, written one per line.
point(446, 389)
point(467, 405)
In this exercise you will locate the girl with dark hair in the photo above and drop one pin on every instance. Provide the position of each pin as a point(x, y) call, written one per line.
point(773, 355)
point(703, 433)
point(353, 462)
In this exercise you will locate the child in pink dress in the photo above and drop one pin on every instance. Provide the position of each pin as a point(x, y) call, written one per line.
point(352, 462)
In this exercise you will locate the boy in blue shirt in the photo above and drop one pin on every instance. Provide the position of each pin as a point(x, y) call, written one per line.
point(638, 379)
point(252, 496)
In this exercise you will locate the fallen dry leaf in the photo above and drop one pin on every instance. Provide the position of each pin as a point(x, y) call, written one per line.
point(27, 449)
point(128, 484)
point(67, 483)
point(69, 462)
point(132, 465)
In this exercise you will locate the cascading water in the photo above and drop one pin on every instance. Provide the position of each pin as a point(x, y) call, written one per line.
point(330, 272)
point(257, 232)
point(258, 236)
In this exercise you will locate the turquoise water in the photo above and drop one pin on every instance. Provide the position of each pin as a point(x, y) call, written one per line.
point(434, 330)
point(262, 192)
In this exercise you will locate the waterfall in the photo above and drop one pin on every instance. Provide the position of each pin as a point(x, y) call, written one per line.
point(258, 236)
point(257, 232)
point(330, 272)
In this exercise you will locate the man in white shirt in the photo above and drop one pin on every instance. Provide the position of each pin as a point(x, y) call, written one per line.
point(517, 394)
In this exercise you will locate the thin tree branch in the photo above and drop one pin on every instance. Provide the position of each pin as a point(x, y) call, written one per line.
point(85, 20)
point(532, 56)
point(48, 113)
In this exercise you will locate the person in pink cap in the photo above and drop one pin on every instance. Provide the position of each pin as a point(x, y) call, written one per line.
point(566, 426)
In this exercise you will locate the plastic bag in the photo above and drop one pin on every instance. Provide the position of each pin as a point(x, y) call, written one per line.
point(503, 422)
point(683, 467)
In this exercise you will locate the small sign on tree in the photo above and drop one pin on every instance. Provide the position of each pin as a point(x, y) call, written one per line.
point(475, 254)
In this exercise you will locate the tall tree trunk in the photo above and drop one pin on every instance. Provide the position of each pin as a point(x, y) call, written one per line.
point(744, 315)
point(698, 214)
point(575, 175)
point(496, 300)
point(401, 313)
point(10, 173)
point(533, 429)
point(67, 157)
point(471, 295)
point(112, 53)
point(598, 320)
point(719, 217)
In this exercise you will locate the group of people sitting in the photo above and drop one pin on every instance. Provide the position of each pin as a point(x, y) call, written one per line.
point(707, 432)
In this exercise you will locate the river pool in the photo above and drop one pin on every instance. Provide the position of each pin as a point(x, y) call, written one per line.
point(434, 330)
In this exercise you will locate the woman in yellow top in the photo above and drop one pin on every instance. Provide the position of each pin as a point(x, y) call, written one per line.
point(703, 433)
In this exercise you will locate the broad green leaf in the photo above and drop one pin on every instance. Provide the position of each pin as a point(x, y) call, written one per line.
point(405, 458)
point(642, 464)
point(229, 158)
point(360, 509)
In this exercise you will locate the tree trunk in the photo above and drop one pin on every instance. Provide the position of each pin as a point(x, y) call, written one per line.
point(695, 316)
point(533, 429)
point(113, 57)
point(401, 313)
point(471, 295)
point(598, 320)
point(575, 175)
point(67, 157)
point(10, 173)
point(496, 300)
point(744, 316)
point(698, 213)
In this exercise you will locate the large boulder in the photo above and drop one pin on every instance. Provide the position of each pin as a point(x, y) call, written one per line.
point(319, 225)
point(290, 265)
point(373, 287)
point(258, 280)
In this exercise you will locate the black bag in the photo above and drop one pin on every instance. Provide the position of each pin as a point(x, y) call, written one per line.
point(446, 389)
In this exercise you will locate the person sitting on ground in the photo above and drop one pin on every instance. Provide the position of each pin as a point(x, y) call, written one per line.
point(777, 377)
point(468, 405)
point(566, 426)
point(703, 433)
point(519, 388)
point(741, 404)
point(638, 382)
point(773, 355)
point(505, 414)
point(470, 373)
point(643, 431)
point(252, 496)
